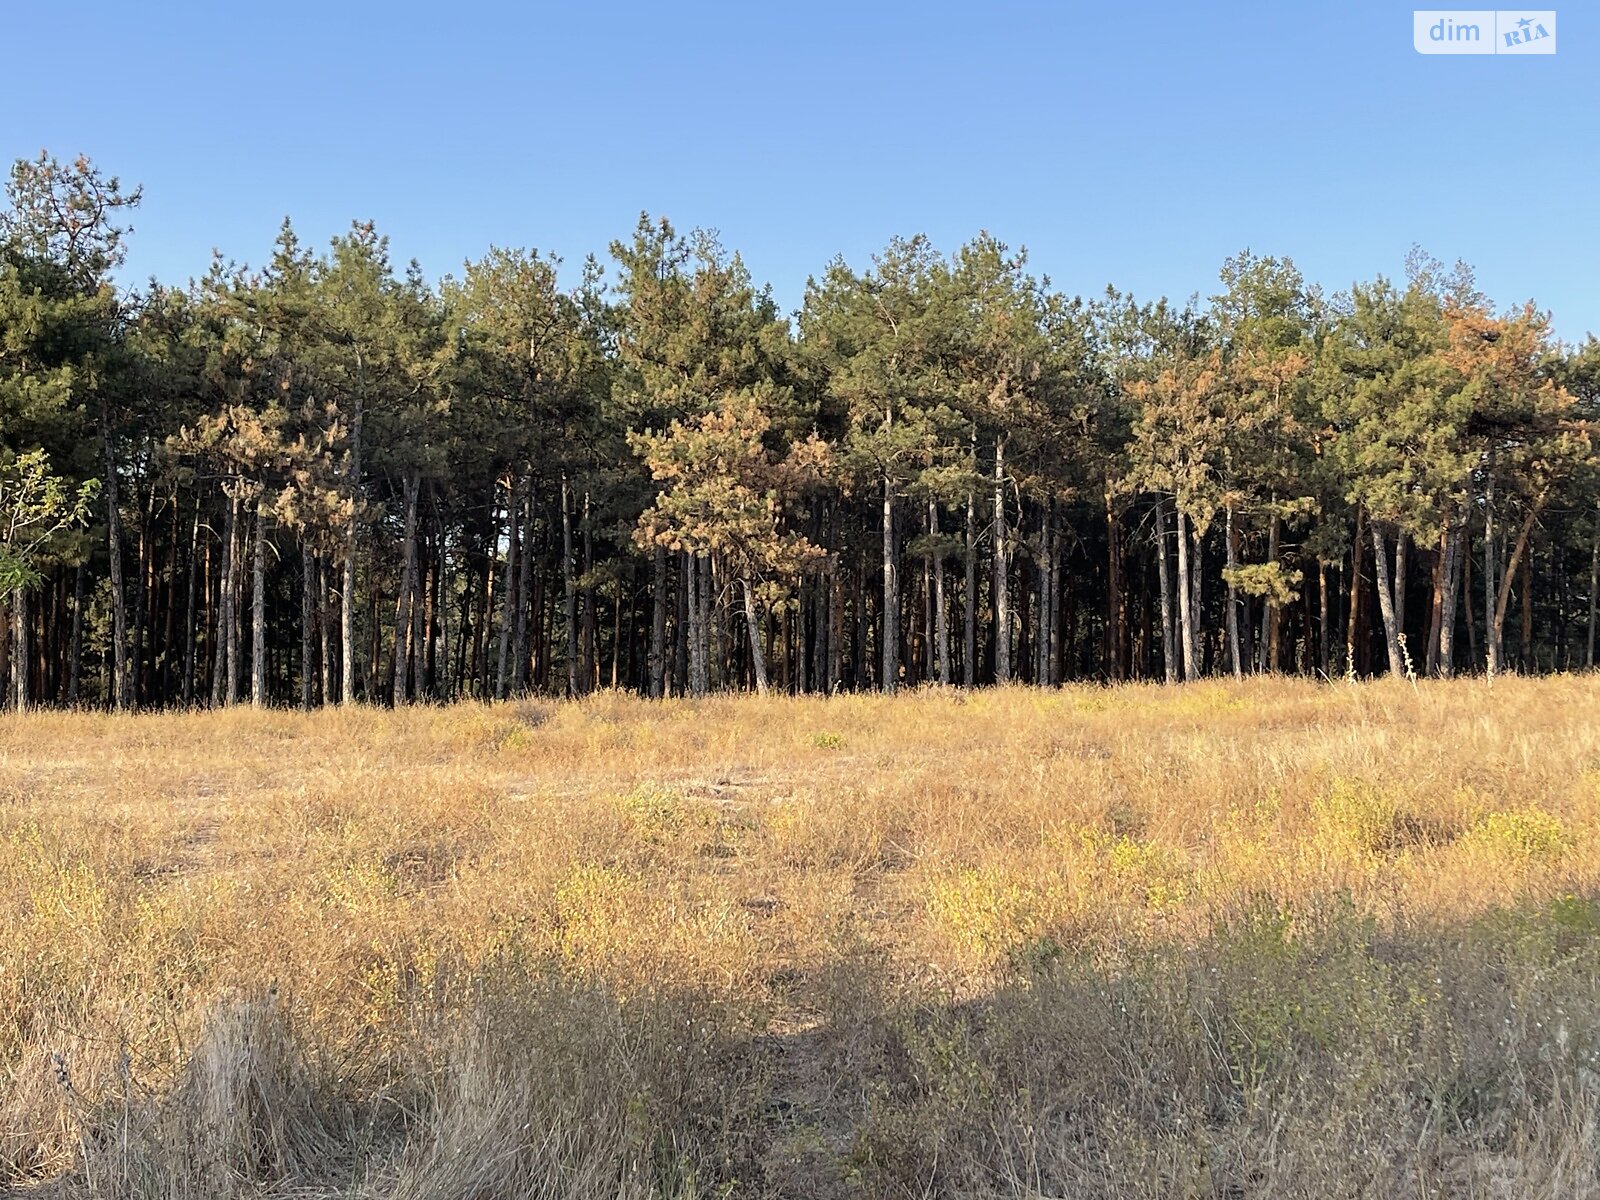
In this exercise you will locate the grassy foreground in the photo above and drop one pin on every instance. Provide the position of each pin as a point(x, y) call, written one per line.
point(1270, 939)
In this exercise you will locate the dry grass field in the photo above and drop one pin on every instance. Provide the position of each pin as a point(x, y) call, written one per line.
point(1270, 939)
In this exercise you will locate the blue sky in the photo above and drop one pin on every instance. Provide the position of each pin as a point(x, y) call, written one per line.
point(1136, 143)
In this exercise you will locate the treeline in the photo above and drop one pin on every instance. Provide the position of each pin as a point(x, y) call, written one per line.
point(327, 480)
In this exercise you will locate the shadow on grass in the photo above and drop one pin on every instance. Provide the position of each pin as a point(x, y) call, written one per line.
point(1309, 1054)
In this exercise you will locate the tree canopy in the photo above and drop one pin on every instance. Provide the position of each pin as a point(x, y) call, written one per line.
point(331, 480)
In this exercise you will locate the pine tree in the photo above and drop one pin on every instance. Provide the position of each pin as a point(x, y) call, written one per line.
point(881, 340)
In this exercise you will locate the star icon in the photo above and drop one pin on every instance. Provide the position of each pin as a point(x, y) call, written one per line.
point(1525, 22)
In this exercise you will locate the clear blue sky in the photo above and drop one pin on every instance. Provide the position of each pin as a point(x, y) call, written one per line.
point(1136, 143)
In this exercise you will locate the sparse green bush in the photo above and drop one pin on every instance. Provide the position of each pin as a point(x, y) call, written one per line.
point(1526, 835)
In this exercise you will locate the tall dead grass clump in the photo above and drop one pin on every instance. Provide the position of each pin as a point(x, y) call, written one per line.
point(558, 1089)
point(249, 1108)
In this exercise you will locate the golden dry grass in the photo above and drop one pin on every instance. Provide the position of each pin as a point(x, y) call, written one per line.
point(1261, 939)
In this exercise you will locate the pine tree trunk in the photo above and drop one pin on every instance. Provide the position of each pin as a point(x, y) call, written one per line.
point(1454, 539)
point(891, 595)
point(1391, 634)
point(510, 601)
point(1525, 642)
point(1468, 618)
point(141, 591)
point(758, 663)
point(1502, 601)
point(1114, 595)
point(710, 628)
point(549, 619)
point(1305, 659)
point(75, 668)
point(798, 641)
point(1040, 629)
point(1263, 651)
point(523, 591)
point(1594, 587)
point(1491, 640)
point(927, 667)
point(458, 687)
point(821, 628)
point(657, 658)
point(1169, 661)
point(374, 645)
point(219, 659)
point(1184, 599)
point(1272, 624)
point(941, 619)
point(616, 627)
point(1041, 639)
point(205, 662)
point(1436, 598)
point(570, 589)
point(347, 601)
point(587, 638)
point(1402, 554)
point(699, 631)
point(19, 649)
point(690, 623)
point(1324, 643)
point(1235, 652)
point(483, 683)
point(1069, 632)
point(1197, 602)
point(347, 619)
point(5, 650)
point(681, 630)
point(169, 658)
point(969, 616)
point(411, 487)
point(121, 686)
point(258, 612)
point(191, 612)
point(1053, 665)
point(1561, 586)
point(324, 637)
point(241, 535)
point(863, 668)
point(1357, 546)
point(1002, 566)
point(308, 620)
point(835, 628)
point(1191, 667)
point(434, 618)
